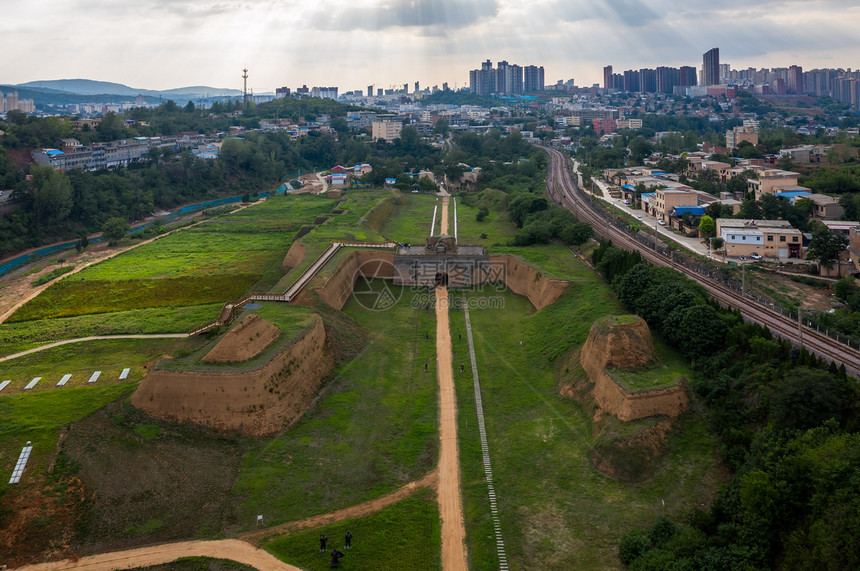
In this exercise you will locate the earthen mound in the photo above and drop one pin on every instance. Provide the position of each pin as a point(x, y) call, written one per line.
point(622, 342)
point(244, 341)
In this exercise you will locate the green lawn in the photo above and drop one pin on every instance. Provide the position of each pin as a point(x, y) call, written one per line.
point(372, 429)
point(238, 243)
point(410, 221)
point(496, 226)
point(402, 537)
point(557, 511)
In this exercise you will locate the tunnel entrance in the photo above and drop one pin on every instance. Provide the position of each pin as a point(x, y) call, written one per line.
point(441, 279)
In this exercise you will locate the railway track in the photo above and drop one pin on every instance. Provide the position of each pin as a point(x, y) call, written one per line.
point(563, 190)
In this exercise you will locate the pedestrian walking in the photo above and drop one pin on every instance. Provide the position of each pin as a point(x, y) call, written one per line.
point(462, 367)
point(323, 540)
point(459, 336)
point(426, 336)
point(425, 365)
point(347, 541)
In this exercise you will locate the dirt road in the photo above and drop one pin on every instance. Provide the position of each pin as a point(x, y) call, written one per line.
point(165, 553)
point(450, 500)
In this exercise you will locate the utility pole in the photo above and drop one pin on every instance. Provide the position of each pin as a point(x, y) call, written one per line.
point(245, 87)
point(800, 325)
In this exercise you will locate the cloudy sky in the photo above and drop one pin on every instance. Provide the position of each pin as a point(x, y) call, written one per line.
point(161, 44)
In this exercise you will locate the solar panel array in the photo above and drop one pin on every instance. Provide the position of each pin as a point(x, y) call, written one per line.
point(32, 383)
point(124, 374)
point(94, 377)
point(21, 464)
point(64, 380)
point(4, 384)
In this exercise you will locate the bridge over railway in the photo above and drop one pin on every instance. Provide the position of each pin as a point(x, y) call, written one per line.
point(564, 191)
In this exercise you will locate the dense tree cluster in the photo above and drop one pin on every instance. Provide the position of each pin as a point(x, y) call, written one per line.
point(56, 205)
point(788, 427)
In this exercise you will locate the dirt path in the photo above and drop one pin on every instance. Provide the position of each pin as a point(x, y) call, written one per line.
point(431, 480)
point(323, 182)
point(450, 500)
point(232, 549)
point(94, 338)
point(19, 290)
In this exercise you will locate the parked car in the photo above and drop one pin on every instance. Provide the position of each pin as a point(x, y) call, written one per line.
point(743, 258)
point(661, 222)
point(755, 256)
point(638, 218)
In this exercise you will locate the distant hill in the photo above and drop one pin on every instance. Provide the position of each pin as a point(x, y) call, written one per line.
point(91, 87)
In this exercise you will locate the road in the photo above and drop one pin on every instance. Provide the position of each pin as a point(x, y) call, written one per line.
point(563, 190)
point(449, 496)
point(232, 549)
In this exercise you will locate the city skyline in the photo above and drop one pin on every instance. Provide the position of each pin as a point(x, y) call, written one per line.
point(402, 41)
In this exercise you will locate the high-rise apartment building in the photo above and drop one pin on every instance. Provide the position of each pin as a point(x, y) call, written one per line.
point(667, 79)
point(687, 76)
point(631, 80)
point(648, 80)
point(795, 80)
point(711, 67)
point(533, 78)
point(506, 78)
point(607, 77)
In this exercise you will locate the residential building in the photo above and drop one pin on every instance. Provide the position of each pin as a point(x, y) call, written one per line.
point(603, 125)
point(533, 78)
point(825, 207)
point(711, 67)
point(767, 238)
point(607, 77)
point(739, 134)
point(386, 129)
point(628, 124)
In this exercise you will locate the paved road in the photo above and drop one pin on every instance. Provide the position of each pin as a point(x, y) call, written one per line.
point(563, 190)
point(94, 338)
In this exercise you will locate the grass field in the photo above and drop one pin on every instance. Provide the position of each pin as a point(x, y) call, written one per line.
point(496, 226)
point(411, 219)
point(69, 298)
point(372, 430)
point(217, 260)
point(403, 537)
point(238, 243)
point(15, 337)
point(557, 511)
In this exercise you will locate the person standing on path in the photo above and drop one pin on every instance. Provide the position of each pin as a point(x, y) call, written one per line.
point(347, 540)
point(323, 540)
